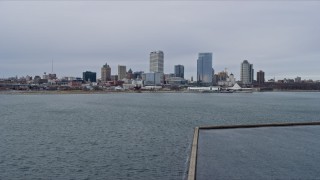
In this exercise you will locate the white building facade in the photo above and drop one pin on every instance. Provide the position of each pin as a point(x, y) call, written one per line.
point(246, 72)
point(156, 61)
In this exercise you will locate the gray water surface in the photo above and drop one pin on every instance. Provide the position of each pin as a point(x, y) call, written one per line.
point(126, 136)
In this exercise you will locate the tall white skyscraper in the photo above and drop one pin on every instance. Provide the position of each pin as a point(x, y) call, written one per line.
point(246, 72)
point(156, 61)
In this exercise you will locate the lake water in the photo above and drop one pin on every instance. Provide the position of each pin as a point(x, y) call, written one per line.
point(126, 136)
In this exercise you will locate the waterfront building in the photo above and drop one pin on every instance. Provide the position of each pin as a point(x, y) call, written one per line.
point(129, 74)
point(105, 73)
point(260, 77)
point(297, 80)
point(137, 75)
point(45, 76)
point(156, 61)
point(89, 76)
point(231, 80)
point(36, 79)
point(122, 72)
point(204, 89)
point(272, 80)
point(128, 86)
point(246, 72)
point(214, 82)
point(52, 76)
point(215, 79)
point(137, 82)
point(28, 78)
point(204, 69)
point(70, 78)
point(152, 78)
point(222, 76)
point(75, 83)
point(179, 71)
point(176, 81)
point(167, 76)
point(285, 80)
point(224, 79)
point(114, 78)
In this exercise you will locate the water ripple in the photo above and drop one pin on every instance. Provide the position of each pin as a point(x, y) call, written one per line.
point(125, 136)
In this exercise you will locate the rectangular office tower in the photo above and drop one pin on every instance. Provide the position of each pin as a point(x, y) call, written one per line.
point(122, 72)
point(260, 77)
point(105, 73)
point(156, 61)
point(204, 69)
point(179, 71)
point(246, 72)
point(89, 76)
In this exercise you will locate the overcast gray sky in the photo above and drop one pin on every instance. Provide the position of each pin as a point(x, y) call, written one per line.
point(281, 38)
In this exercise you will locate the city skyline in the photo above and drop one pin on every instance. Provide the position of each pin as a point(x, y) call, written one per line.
point(280, 38)
point(123, 72)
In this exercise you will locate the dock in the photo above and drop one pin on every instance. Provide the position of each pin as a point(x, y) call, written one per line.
point(263, 151)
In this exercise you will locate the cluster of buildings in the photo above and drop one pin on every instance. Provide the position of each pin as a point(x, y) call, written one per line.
point(129, 79)
point(155, 78)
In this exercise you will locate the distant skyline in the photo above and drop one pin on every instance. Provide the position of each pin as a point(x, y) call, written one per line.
point(280, 37)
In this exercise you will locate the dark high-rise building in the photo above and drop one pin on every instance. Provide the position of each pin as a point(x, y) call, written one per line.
point(204, 69)
point(260, 77)
point(129, 74)
point(89, 76)
point(137, 75)
point(213, 78)
point(179, 71)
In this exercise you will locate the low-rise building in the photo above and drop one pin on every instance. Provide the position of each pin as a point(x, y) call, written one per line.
point(176, 81)
point(152, 79)
point(204, 89)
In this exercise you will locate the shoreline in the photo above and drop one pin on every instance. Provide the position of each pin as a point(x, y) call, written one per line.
point(81, 92)
point(13, 92)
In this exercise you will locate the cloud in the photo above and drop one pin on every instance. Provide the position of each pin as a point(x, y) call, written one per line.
point(85, 35)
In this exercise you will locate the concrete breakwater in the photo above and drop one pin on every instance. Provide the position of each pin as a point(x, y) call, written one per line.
point(258, 151)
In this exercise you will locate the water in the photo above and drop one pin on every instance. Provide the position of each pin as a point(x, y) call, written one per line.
point(126, 136)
